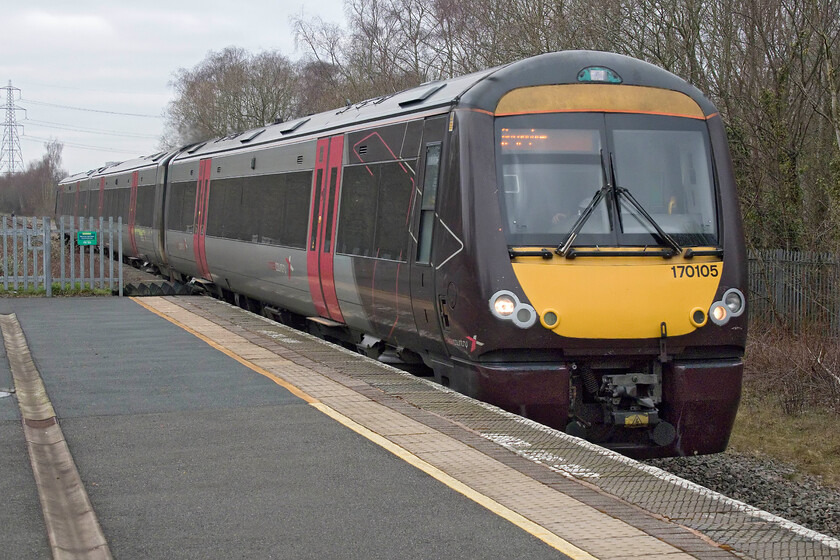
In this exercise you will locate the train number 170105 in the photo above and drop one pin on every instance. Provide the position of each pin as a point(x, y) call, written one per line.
point(695, 270)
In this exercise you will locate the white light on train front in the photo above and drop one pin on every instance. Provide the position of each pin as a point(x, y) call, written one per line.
point(504, 305)
point(719, 313)
point(734, 300)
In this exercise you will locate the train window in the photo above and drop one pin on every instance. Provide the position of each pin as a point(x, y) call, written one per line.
point(173, 206)
point(316, 205)
point(268, 204)
point(269, 209)
point(237, 225)
point(427, 206)
point(145, 205)
point(216, 209)
point(668, 170)
point(551, 166)
point(298, 190)
point(330, 209)
point(188, 208)
point(392, 217)
point(357, 222)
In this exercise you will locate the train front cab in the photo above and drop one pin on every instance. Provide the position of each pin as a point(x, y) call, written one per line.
point(609, 266)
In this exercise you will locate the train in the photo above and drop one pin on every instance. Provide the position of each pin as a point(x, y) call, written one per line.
point(559, 236)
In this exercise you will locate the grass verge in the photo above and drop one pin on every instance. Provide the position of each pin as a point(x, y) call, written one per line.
point(790, 408)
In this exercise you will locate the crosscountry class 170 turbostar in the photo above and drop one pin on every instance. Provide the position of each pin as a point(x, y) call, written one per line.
point(559, 236)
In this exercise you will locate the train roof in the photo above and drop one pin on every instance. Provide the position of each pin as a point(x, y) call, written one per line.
point(425, 97)
point(480, 90)
point(126, 166)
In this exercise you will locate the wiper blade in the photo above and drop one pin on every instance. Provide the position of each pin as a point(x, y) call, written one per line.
point(563, 248)
point(573, 253)
point(667, 238)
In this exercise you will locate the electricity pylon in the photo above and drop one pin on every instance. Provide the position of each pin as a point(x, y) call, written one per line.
point(11, 159)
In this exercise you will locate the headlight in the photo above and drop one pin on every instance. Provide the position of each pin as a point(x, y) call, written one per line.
point(732, 304)
point(719, 313)
point(734, 300)
point(504, 306)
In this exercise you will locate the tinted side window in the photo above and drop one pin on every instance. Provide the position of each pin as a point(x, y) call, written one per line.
point(145, 205)
point(296, 216)
point(216, 211)
point(176, 203)
point(357, 212)
point(392, 217)
point(181, 206)
point(264, 209)
point(268, 203)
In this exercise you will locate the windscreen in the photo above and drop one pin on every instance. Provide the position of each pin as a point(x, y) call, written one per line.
point(552, 166)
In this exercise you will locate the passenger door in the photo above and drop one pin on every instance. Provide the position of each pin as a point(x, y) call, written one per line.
point(423, 296)
point(322, 227)
point(202, 197)
point(132, 213)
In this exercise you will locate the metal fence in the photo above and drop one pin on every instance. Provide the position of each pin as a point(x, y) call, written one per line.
point(795, 288)
point(37, 254)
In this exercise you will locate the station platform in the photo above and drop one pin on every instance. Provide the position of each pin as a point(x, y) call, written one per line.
point(194, 429)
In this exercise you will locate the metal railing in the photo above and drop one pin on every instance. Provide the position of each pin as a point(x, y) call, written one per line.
point(797, 289)
point(30, 246)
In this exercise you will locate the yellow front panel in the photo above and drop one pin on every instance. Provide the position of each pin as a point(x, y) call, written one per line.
point(620, 297)
point(600, 98)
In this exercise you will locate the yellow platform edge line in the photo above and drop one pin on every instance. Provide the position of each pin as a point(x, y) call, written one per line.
point(486, 502)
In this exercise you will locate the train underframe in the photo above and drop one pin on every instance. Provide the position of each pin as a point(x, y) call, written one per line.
point(643, 408)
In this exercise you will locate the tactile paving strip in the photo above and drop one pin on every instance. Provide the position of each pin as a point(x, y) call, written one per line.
point(557, 459)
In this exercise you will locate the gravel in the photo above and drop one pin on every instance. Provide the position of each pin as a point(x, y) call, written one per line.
point(765, 484)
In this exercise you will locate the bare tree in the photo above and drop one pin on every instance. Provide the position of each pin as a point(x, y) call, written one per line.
point(32, 193)
point(230, 91)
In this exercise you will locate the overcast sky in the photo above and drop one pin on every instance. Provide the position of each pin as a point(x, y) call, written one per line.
point(116, 59)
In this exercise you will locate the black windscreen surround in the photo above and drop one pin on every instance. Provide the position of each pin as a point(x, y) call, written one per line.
point(270, 209)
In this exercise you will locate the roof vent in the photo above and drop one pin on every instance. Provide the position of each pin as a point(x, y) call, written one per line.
point(252, 136)
point(291, 127)
point(422, 95)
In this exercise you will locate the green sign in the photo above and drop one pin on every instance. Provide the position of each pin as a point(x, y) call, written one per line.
point(84, 238)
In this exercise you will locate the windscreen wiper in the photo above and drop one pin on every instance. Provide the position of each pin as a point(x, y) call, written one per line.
point(670, 241)
point(619, 191)
point(563, 248)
